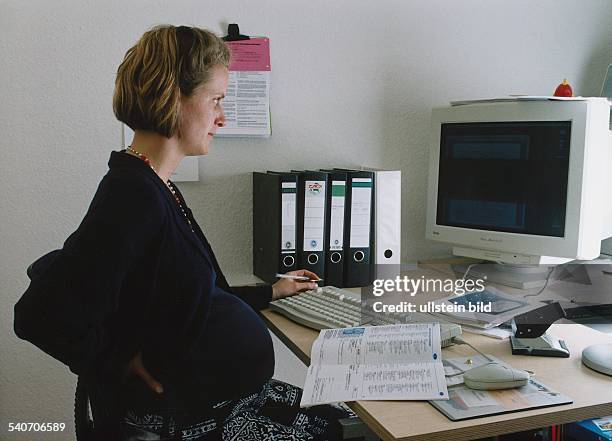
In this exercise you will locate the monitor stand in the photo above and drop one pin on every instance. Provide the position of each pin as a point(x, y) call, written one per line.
point(513, 275)
point(598, 358)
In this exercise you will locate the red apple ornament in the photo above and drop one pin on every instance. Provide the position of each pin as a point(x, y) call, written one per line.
point(563, 89)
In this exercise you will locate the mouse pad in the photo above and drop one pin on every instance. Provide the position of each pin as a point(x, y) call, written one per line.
point(465, 403)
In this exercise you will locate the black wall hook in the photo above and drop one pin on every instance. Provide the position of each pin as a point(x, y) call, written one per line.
point(233, 33)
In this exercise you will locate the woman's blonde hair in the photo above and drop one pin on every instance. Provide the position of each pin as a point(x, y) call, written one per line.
point(164, 64)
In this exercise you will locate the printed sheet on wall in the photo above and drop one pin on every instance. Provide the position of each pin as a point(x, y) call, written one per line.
point(247, 101)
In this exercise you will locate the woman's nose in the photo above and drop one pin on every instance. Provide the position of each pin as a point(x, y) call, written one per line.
point(220, 120)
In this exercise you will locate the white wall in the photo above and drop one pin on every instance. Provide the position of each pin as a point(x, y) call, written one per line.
point(353, 83)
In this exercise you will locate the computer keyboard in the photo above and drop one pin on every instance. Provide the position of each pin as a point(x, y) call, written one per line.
point(330, 307)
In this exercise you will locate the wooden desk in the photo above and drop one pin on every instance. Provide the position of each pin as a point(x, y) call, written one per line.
point(417, 420)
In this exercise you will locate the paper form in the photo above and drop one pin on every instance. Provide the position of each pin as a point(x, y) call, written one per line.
point(334, 383)
point(250, 55)
point(288, 204)
point(314, 215)
point(247, 99)
point(247, 105)
point(336, 232)
point(361, 205)
point(395, 362)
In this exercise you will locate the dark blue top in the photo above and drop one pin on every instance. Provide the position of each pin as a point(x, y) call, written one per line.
point(135, 277)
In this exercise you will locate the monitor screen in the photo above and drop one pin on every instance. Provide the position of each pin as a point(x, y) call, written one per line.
point(504, 176)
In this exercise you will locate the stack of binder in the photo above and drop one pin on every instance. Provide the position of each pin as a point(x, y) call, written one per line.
point(328, 221)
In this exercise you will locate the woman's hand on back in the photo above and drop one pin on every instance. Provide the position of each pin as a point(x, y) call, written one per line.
point(288, 287)
point(136, 368)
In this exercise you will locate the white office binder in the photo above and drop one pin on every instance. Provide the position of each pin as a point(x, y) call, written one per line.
point(388, 216)
point(311, 225)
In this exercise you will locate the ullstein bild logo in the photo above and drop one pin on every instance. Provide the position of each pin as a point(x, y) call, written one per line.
point(314, 188)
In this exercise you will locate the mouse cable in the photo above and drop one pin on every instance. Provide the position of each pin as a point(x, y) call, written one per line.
point(460, 341)
point(552, 269)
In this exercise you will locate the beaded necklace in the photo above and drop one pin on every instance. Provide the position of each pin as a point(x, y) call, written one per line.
point(168, 183)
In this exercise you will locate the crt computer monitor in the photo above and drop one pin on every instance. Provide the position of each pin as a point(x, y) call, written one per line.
point(521, 182)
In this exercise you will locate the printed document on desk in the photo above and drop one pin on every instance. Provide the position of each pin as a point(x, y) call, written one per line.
point(395, 362)
point(483, 309)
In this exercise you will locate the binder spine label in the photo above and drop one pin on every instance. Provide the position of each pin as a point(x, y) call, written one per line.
point(336, 234)
point(314, 215)
point(288, 217)
point(361, 206)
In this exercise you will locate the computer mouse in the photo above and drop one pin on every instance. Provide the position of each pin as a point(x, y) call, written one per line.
point(493, 376)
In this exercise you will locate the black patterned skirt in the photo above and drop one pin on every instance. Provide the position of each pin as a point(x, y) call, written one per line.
point(273, 414)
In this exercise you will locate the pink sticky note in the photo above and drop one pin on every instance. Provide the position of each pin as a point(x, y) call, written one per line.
point(253, 54)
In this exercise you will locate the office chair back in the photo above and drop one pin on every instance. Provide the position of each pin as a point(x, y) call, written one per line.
point(83, 421)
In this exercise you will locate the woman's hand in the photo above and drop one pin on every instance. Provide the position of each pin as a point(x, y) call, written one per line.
point(288, 287)
point(135, 367)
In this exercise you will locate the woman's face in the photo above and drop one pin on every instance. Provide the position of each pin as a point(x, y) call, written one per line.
point(201, 114)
